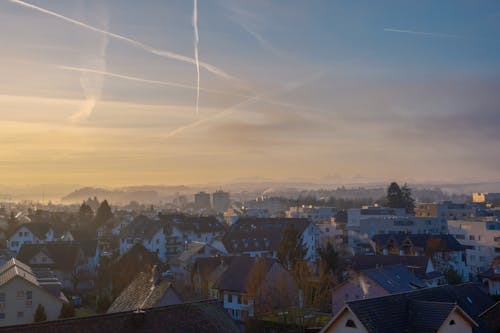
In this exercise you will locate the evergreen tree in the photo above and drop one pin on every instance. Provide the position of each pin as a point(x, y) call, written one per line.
point(11, 222)
point(394, 196)
point(40, 314)
point(102, 304)
point(408, 201)
point(67, 311)
point(85, 214)
point(103, 213)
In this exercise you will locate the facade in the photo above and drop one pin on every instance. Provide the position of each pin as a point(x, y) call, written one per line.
point(202, 200)
point(446, 210)
point(315, 214)
point(21, 291)
point(463, 308)
point(30, 233)
point(482, 197)
point(481, 238)
point(220, 201)
point(492, 277)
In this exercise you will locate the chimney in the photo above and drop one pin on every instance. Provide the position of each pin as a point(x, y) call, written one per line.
point(156, 276)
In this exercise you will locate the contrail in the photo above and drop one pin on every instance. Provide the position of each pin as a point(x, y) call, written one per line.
point(92, 82)
point(249, 100)
point(196, 41)
point(143, 80)
point(147, 48)
point(432, 34)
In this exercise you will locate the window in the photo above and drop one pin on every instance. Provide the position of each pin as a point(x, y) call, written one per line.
point(350, 323)
point(20, 314)
point(20, 294)
point(20, 234)
point(471, 237)
point(29, 303)
point(2, 316)
point(452, 322)
point(239, 299)
point(229, 298)
point(29, 294)
point(2, 297)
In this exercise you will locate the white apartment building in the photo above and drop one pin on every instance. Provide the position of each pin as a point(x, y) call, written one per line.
point(315, 214)
point(481, 239)
point(30, 233)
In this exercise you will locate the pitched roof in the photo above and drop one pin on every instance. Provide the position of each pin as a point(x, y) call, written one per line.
point(203, 317)
point(237, 276)
point(192, 249)
point(141, 293)
point(427, 317)
point(429, 243)
point(15, 268)
point(416, 264)
point(394, 279)
point(142, 227)
point(64, 254)
point(394, 313)
point(37, 228)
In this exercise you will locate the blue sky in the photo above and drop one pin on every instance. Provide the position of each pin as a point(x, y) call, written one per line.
point(322, 90)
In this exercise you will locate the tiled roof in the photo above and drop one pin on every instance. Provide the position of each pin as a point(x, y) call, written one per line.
point(238, 273)
point(192, 249)
point(396, 313)
point(38, 229)
point(394, 279)
point(424, 241)
point(199, 317)
point(417, 264)
point(427, 317)
point(64, 254)
point(141, 293)
point(14, 268)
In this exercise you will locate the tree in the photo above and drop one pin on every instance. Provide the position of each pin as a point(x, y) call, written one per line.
point(40, 314)
point(332, 266)
point(103, 213)
point(11, 222)
point(408, 201)
point(291, 248)
point(400, 197)
point(85, 214)
point(452, 277)
point(67, 310)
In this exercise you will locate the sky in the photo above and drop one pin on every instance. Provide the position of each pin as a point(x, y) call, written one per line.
point(102, 92)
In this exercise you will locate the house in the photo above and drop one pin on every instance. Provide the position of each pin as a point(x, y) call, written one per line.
point(492, 277)
point(183, 264)
point(146, 291)
point(21, 291)
point(421, 266)
point(315, 214)
point(63, 258)
point(246, 285)
point(193, 317)
point(461, 308)
point(261, 237)
point(30, 233)
point(445, 251)
point(375, 282)
point(481, 239)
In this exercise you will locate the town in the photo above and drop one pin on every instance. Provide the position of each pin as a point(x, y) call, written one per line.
point(272, 264)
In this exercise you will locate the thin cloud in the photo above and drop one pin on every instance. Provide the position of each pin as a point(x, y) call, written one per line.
point(422, 33)
point(165, 54)
point(196, 60)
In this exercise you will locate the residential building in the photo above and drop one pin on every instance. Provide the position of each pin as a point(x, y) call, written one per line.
point(220, 201)
point(446, 210)
point(315, 214)
point(65, 259)
point(444, 250)
point(481, 238)
point(492, 277)
point(483, 197)
point(261, 237)
point(206, 316)
point(375, 282)
point(30, 233)
point(461, 308)
point(21, 291)
point(146, 291)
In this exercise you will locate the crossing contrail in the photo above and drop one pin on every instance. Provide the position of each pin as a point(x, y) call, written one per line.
point(162, 53)
point(196, 60)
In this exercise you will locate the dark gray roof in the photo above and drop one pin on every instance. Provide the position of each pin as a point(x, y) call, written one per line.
point(416, 264)
point(64, 254)
point(141, 293)
point(394, 313)
point(238, 273)
point(394, 279)
point(200, 317)
point(427, 317)
point(38, 229)
point(429, 243)
point(142, 227)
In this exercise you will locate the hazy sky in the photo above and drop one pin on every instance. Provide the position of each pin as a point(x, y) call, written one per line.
point(104, 92)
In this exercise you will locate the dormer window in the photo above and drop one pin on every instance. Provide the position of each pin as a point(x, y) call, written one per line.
point(350, 323)
point(452, 322)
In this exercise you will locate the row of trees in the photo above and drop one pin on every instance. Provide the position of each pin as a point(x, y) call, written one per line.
point(67, 311)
